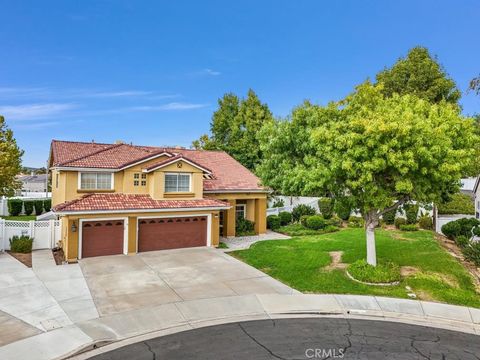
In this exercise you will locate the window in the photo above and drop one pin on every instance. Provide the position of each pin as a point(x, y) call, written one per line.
point(56, 180)
point(144, 182)
point(96, 181)
point(240, 211)
point(177, 182)
point(136, 176)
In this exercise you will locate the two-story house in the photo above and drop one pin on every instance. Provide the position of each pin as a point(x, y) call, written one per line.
point(124, 199)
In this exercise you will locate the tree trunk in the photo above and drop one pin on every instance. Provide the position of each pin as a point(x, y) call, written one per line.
point(371, 221)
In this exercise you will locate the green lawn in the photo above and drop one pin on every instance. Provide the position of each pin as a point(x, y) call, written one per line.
point(300, 263)
point(20, 217)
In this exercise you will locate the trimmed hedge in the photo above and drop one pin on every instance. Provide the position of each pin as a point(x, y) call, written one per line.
point(316, 222)
point(285, 218)
point(356, 222)
point(28, 207)
point(15, 206)
point(244, 227)
point(325, 205)
point(21, 244)
point(47, 205)
point(273, 222)
point(425, 222)
point(460, 227)
point(300, 210)
point(458, 204)
point(409, 227)
point(399, 222)
point(411, 213)
point(38, 205)
point(343, 207)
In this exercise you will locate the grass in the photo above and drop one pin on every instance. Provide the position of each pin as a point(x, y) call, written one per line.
point(20, 217)
point(300, 262)
point(300, 230)
point(382, 273)
point(222, 245)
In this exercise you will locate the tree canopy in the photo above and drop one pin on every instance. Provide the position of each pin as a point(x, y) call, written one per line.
point(419, 74)
point(234, 128)
point(381, 151)
point(10, 160)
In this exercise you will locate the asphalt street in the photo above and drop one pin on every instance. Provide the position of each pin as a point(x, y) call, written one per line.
point(305, 338)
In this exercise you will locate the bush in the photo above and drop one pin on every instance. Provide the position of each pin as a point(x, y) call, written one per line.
point(278, 203)
point(389, 217)
point(300, 210)
point(343, 207)
point(285, 218)
point(335, 221)
point(273, 222)
point(244, 227)
point(462, 241)
point(382, 273)
point(28, 207)
point(38, 205)
point(411, 213)
point(399, 222)
point(316, 222)
point(21, 244)
point(458, 204)
point(325, 205)
point(472, 252)
point(47, 205)
point(356, 222)
point(15, 206)
point(425, 222)
point(409, 227)
point(303, 220)
point(459, 227)
point(300, 230)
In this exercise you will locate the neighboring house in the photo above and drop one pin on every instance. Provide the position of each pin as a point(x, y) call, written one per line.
point(468, 186)
point(123, 199)
point(476, 194)
point(33, 183)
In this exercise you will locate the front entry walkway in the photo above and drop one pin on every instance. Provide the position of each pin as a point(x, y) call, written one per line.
point(244, 242)
point(120, 283)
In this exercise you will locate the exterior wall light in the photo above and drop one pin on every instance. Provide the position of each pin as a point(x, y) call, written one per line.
point(74, 227)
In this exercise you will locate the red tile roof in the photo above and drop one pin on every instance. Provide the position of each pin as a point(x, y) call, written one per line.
point(227, 173)
point(174, 159)
point(112, 202)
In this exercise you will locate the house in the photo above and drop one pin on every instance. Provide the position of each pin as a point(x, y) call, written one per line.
point(476, 194)
point(33, 183)
point(123, 199)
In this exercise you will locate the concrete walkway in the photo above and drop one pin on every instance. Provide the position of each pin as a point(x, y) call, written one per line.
point(244, 242)
point(137, 325)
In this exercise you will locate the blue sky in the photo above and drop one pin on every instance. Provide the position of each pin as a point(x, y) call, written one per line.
point(150, 72)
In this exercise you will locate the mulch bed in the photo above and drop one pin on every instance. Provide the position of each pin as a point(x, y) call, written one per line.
point(25, 259)
point(58, 255)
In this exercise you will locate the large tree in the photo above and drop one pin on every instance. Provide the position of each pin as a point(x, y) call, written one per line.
point(234, 128)
point(419, 74)
point(10, 160)
point(380, 151)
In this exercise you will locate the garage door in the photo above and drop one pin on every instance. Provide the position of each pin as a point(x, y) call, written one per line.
point(172, 233)
point(102, 238)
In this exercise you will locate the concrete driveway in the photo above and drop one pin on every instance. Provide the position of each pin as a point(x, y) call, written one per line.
point(120, 283)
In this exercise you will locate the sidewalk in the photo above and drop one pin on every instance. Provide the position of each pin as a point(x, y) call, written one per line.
point(137, 325)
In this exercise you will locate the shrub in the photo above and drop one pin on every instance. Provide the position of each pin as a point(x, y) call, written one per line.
point(411, 213)
point(458, 204)
point(278, 203)
point(472, 252)
point(38, 205)
point(459, 227)
point(300, 210)
point(303, 220)
point(28, 207)
point(399, 222)
point(244, 227)
point(409, 227)
point(285, 218)
point(335, 221)
point(425, 222)
point(47, 205)
point(316, 222)
point(462, 241)
point(21, 244)
point(273, 222)
point(356, 222)
point(389, 217)
point(382, 273)
point(343, 207)
point(15, 206)
point(325, 205)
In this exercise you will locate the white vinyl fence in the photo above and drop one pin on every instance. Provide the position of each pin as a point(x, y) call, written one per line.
point(45, 234)
point(292, 201)
point(443, 219)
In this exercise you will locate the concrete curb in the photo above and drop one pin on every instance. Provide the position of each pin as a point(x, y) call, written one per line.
point(121, 329)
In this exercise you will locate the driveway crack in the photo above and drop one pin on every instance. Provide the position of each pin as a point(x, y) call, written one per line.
point(154, 356)
point(260, 344)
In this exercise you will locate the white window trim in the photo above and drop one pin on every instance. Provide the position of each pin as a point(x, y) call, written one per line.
point(177, 173)
point(125, 232)
point(244, 210)
point(79, 185)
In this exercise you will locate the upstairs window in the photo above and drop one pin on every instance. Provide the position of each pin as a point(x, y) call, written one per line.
point(137, 182)
point(96, 181)
point(177, 182)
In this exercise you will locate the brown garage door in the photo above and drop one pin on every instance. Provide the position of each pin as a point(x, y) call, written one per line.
point(102, 238)
point(172, 233)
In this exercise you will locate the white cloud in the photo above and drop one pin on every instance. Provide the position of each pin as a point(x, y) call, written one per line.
point(34, 111)
point(211, 72)
point(169, 106)
point(114, 94)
